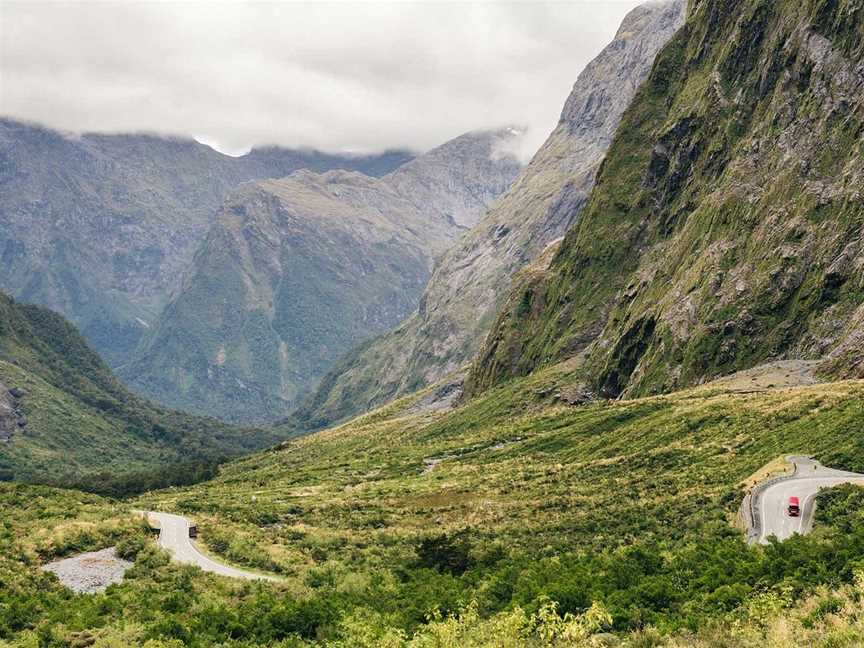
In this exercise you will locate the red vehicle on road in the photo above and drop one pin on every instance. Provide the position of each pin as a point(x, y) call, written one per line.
point(794, 508)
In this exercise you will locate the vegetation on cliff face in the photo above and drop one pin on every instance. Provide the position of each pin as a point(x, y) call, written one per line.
point(725, 228)
point(470, 282)
point(81, 421)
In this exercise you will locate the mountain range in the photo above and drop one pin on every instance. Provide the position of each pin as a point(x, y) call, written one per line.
point(295, 272)
point(102, 227)
point(555, 463)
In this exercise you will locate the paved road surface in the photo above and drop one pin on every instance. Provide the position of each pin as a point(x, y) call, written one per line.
point(809, 477)
point(174, 536)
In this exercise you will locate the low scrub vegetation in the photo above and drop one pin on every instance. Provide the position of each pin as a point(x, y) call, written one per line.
point(128, 484)
point(511, 517)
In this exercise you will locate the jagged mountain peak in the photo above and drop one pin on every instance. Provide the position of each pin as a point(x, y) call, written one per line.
point(471, 279)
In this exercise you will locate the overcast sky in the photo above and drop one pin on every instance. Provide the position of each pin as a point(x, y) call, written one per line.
point(337, 76)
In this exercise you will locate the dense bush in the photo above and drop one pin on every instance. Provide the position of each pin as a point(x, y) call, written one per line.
point(624, 508)
point(129, 548)
point(451, 553)
point(674, 587)
point(123, 485)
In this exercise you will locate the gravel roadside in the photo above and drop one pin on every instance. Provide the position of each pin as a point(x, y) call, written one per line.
point(89, 573)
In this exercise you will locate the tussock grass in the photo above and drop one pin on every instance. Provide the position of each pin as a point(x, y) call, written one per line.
point(618, 511)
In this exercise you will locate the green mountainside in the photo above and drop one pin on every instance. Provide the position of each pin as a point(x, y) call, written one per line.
point(101, 227)
point(471, 279)
point(295, 272)
point(64, 416)
point(725, 228)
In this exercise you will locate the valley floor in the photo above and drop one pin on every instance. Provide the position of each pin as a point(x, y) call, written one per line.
point(450, 528)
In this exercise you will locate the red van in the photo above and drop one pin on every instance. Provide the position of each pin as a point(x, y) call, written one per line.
point(794, 507)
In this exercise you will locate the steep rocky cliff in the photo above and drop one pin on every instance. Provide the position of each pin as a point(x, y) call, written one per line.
point(100, 227)
point(725, 228)
point(464, 293)
point(295, 272)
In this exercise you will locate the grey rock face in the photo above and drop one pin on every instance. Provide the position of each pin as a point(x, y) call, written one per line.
point(8, 418)
point(12, 418)
point(101, 227)
point(472, 278)
point(459, 179)
point(297, 271)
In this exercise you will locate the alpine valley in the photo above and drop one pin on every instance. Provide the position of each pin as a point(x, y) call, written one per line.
point(472, 279)
point(611, 398)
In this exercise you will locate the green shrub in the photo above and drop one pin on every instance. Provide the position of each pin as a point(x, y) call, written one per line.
point(451, 553)
point(129, 548)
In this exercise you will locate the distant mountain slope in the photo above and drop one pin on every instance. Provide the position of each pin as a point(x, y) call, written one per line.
point(62, 412)
point(469, 283)
point(297, 271)
point(100, 227)
point(726, 228)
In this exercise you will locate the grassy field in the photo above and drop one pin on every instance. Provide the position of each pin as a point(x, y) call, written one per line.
point(511, 467)
point(513, 497)
point(512, 516)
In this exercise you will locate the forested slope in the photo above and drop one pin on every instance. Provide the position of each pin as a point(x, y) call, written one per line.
point(71, 417)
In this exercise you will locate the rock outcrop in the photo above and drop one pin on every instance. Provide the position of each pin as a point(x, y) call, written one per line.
point(11, 416)
point(726, 226)
point(295, 272)
point(101, 227)
point(472, 279)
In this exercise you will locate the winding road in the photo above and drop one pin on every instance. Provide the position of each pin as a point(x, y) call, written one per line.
point(810, 476)
point(174, 536)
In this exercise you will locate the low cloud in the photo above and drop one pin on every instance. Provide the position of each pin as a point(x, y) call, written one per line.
point(336, 76)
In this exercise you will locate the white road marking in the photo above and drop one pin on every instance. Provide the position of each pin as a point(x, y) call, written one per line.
point(810, 478)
